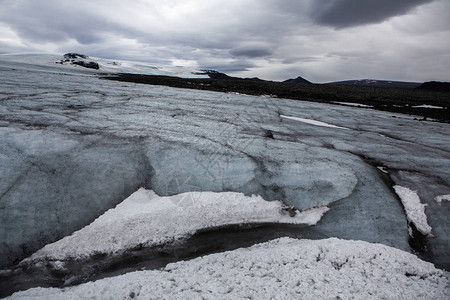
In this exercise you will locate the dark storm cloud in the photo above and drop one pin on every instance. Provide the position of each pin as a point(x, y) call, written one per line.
point(271, 39)
point(239, 66)
point(347, 13)
point(251, 51)
point(302, 59)
point(57, 21)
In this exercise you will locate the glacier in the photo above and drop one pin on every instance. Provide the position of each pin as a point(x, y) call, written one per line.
point(74, 146)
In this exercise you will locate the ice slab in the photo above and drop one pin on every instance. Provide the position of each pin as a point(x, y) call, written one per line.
point(144, 219)
point(427, 189)
point(415, 210)
point(280, 269)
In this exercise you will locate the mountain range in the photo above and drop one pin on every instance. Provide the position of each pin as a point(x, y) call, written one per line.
point(379, 83)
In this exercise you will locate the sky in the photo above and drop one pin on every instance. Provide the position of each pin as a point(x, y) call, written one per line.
point(320, 40)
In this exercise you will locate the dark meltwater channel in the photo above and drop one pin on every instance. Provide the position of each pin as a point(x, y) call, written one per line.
point(101, 266)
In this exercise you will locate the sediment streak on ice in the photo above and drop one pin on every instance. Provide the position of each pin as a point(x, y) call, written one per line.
point(146, 219)
point(312, 122)
point(414, 209)
point(279, 269)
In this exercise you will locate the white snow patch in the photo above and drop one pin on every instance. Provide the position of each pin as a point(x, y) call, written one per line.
point(146, 219)
point(313, 122)
point(441, 198)
point(427, 106)
point(279, 269)
point(414, 209)
point(354, 104)
point(382, 169)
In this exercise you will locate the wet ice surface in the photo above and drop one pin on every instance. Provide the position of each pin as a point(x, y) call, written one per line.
point(74, 146)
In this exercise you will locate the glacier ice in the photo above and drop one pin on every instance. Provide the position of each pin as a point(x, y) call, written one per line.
point(74, 146)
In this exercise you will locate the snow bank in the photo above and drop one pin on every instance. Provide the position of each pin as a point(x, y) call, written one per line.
point(441, 198)
point(354, 104)
point(427, 106)
point(279, 269)
point(146, 219)
point(415, 210)
point(312, 122)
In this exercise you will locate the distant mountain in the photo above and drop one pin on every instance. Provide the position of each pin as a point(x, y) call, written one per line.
point(80, 60)
point(299, 79)
point(435, 86)
point(379, 83)
point(214, 74)
point(73, 61)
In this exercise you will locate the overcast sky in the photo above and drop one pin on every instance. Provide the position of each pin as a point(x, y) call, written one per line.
point(320, 40)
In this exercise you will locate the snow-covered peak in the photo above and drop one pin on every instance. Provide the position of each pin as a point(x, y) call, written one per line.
point(59, 62)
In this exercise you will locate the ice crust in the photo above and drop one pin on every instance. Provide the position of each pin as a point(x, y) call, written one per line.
point(441, 198)
point(144, 219)
point(74, 146)
point(279, 269)
point(415, 210)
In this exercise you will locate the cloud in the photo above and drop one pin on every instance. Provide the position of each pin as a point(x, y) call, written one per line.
point(251, 51)
point(270, 39)
point(229, 68)
point(347, 13)
point(226, 64)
